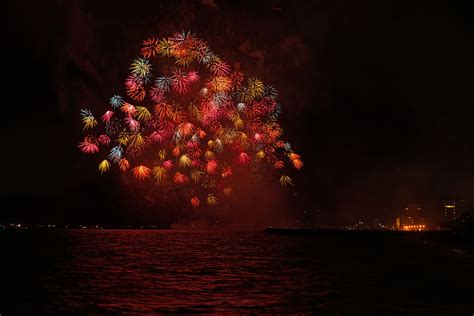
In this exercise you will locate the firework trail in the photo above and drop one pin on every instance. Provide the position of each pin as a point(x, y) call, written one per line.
point(191, 124)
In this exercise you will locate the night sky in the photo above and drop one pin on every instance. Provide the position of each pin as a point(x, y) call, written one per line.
point(377, 98)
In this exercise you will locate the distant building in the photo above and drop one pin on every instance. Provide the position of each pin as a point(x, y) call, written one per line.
point(376, 223)
point(411, 218)
point(398, 223)
point(360, 225)
point(467, 216)
point(464, 224)
point(451, 209)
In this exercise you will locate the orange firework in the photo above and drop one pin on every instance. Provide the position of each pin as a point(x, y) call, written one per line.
point(195, 201)
point(180, 178)
point(141, 172)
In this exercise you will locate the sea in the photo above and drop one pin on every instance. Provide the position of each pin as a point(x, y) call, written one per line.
point(95, 272)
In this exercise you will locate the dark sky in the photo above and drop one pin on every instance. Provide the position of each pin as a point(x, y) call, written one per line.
point(377, 94)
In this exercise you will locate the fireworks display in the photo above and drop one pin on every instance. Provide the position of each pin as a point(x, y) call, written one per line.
point(191, 122)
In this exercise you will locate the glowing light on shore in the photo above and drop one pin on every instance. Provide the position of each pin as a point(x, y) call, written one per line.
point(413, 227)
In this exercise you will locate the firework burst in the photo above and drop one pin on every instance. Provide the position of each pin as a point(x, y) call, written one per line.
point(188, 129)
point(141, 68)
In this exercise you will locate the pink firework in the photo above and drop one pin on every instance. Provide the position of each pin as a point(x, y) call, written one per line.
point(88, 146)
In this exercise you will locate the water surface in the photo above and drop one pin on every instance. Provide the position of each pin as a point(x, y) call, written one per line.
point(110, 271)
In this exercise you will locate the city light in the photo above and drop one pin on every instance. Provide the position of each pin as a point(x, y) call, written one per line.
point(413, 227)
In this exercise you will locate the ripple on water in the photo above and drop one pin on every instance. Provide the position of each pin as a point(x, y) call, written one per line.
point(223, 271)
